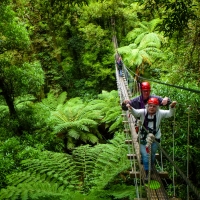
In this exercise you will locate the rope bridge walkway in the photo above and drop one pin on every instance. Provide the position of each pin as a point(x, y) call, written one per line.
point(155, 189)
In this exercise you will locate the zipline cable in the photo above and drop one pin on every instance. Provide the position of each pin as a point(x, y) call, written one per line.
point(176, 86)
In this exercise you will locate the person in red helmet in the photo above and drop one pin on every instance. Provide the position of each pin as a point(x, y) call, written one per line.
point(150, 118)
point(140, 101)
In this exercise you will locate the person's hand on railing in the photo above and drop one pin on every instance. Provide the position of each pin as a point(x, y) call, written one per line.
point(173, 104)
point(124, 104)
point(128, 106)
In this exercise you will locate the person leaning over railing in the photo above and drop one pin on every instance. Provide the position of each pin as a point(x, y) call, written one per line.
point(140, 101)
point(150, 118)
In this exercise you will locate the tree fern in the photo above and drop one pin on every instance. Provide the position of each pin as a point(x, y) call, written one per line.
point(90, 170)
point(84, 160)
point(89, 137)
point(111, 110)
point(147, 52)
point(116, 161)
point(37, 190)
point(116, 124)
point(120, 191)
point(144, 29)
point(150, 39)
point(58, 168)
point(145, 40)
point(53, 101)
point(113, 119)
point(77, 120)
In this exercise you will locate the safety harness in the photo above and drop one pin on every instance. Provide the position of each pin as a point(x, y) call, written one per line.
point(143, 133)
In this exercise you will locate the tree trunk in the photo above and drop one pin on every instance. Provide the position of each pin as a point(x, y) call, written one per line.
point(8, 96)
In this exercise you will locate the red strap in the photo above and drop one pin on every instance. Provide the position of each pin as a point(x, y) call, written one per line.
point(147, 149)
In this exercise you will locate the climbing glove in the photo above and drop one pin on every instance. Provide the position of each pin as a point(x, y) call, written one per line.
point(150, 138)
point(124, 107)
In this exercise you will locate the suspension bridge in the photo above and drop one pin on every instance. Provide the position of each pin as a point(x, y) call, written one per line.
point(155, 188)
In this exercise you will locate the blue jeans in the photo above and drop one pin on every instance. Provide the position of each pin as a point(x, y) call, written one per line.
point(120, 72)
point(145, 155)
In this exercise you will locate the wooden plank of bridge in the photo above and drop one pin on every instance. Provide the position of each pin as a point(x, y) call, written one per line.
point(134, 156)
point(136, 174)
point(161, 193)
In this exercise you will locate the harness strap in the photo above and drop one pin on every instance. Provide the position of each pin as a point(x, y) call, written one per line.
point(145, 124)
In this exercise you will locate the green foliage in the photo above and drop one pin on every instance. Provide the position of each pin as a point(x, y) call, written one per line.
point(42, 190)
point(70, 49)
point(112, 110)
point(121, 191)
point(145, 45)
point(26, 79)
point(186, 124)
point(91, 170)
point(77, 120)
point(177, 14)
point(146, 30)
point(13, 33)
point(8, 150)
point(12, 152)
point(54, 119)
point(134, 56)
point(52, 101)
point(56, 167)
point(104, 171)
point(18, 75)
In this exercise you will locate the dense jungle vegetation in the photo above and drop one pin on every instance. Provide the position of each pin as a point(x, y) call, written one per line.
point(61, 133)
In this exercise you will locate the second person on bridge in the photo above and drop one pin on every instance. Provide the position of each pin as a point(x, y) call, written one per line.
point(140, 101)
point(150, 118)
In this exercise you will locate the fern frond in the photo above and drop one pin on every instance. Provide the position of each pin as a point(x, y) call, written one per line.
point(150, 39)
point(122, 191)
point(153, 24)
point(73, 133)
point(58, 168)
point(92, 138)
point(62, 98)
point(60, 115)
point(57, 175)
point(70, 143)
point(37, 190)
point(85, 163)
point(112, 115)
point(107, 169)
point(17, 178)
point(132, 35)
point(140, 38)
point(116, 124)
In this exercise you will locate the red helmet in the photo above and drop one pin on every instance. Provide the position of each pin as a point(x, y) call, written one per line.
point(153, 101)
point(145, 86)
